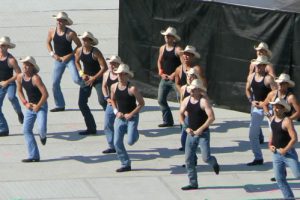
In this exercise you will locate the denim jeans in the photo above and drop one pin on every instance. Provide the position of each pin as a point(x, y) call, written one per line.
point(192, 143)
point(109, 119)
point(280, 162)
point(183, 133)
point(257, 116)
point(59, 68)
point(84, 94)
point(29, 119)
point(121, 126)
point(165, 86)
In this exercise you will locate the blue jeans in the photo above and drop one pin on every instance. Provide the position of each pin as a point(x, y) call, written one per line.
point(121, 126)
point(84, 94)
point(192, 143)
point(280, 162)
point(59, 68)
point(29, 119)
point(183, 133)
point(257, 117)
point(109, 119)
point(164, 88)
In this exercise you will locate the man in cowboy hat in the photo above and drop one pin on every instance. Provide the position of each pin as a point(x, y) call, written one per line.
point(8, 65)
point(167, 62)
point(189, 55)
point(94, 66)
point(200, 115)
point(63, 55)
point(257, 88)
point(35, 104)
point(109, 78)
point(282, 145)
point(127, 102)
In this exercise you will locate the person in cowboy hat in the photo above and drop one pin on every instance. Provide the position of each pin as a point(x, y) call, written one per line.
point(200, 115)
point(8, 65)
point(127, 102)
point(189, 54)
point(63, 55)
point(168, 60)
point(257, 88)
point(263, 50)
point(109, 78)
point(184, 92)
point(94, 66)
point(35, 104)
point(282, 145)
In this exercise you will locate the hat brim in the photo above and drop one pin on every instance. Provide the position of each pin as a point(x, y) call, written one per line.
point(286, 106)
point(196, 54)
point(191, 87)
point(259, 62)
point(10, 45)
point(127, 72)
point(94, 40)
point(36, 67)
point(177, 37)
point(269, 53)
point(113, 60)
point(69, 21)
point(290, 82)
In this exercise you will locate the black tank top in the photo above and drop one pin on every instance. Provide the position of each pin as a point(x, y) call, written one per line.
point(182, 80)
point(196, 116)
point(171, 61)
point(186, 93)
point(288, 114)
point(125, 102)
point(91, 66)
point(260, 91)
point(280, 137)
point(62, 46)
point(33, 93)
point(109, 83)
point(6, 72)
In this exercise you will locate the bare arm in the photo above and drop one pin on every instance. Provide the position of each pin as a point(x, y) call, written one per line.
point(292, 100)
point(13, 64)
point(204, 103)
point(105, 90)
point(37, 81)
point(49, 39)
point(113, 96)
point(182, 90)
point(182, 110)
point(19, 89)
point(77, 59)
point(288, 125)
point(265, 104)
point(160, 60)
point(140, 102)
point(73, 37)
point(201, 73)
point(270, 70)
point(177, 78)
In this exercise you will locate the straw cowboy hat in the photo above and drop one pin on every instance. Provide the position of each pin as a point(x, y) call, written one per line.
point(282, 102)
point(171, 31)
point(124, 68)
point(31, 60)
point(261, 60)
point(115, 59)
point(63, 15)
point(264, 46)
point(197, 83)
point(5, 40)
point(285, 78)
point(89, 35)
point(192, 50)
point(192, 71)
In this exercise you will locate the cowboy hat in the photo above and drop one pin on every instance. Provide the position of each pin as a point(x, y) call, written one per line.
point(197, 83)
point(192, 50)
point(89, 35)
point(261, 60)
point(31, 60)
point(285, 78)
point(192, 71)
point(115, 59)
point(124, 68)
point(171, 31)
point(6, 41)
point(264, 46)
point(282, 102)
point(63, 15)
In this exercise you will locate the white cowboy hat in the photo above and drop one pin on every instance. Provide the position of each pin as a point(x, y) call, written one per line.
point(197, 83)
point(6, 41)
point(89, 35)
point(31, 60)
point(285, 78)
point(192, 50)
point(63, 15)
point(115, 59)
point(264, 46)
point(192, 71)
point(171, 31)
point(124, 68)
point(282, 102)
point(261, 60)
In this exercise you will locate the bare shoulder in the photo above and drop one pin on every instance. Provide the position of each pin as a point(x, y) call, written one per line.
point(250, 77)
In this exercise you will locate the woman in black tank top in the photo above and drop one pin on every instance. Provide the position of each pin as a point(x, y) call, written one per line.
point(36, 106)
point(282, 144)
point(127, 102)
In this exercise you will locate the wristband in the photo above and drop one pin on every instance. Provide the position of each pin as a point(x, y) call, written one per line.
point(267, 114)
point(250, 99)
point(51, 53)
point(107, 97)
point(81, 73)
point(24, 102)
point(115, 111)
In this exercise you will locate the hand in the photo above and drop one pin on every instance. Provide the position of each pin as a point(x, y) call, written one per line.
point(128, 116)
point(272, 148)
point(282, 151)
point(164, 76)
point(90, 81)
point(4, 84)
point(35, 108)
point(119, 115)
point(57, 58)
point(109, 101)
point(255, 103)
point(172, 77)
point(190, 131)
